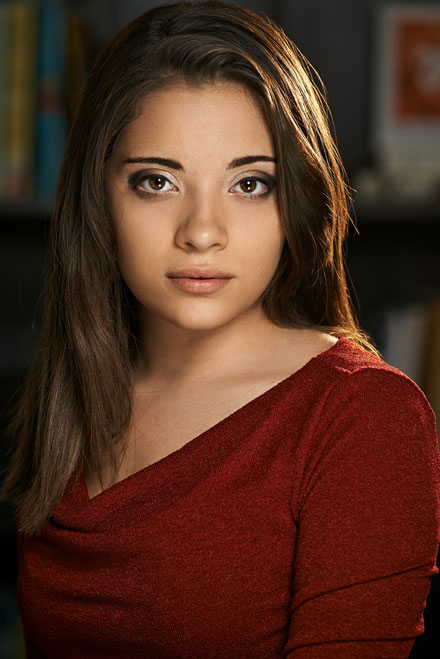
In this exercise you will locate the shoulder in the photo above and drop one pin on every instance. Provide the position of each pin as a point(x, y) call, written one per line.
point(348, 366)
point(346, 357)
point(367, 418)
point(347, 384)
point(363, 396)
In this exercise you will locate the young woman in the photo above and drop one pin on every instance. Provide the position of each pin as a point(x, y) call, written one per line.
point(211, 460)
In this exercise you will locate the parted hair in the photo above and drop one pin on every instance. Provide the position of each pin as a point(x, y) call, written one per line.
point(76, 402)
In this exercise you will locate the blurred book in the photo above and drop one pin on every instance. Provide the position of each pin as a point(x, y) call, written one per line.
point(4, 67)
point(412, 344)
point(77, 60)
point(405, 340)
point(50, 99)
point(406, 97)
point(431, 379)
point(43, 66)
point(18, 115)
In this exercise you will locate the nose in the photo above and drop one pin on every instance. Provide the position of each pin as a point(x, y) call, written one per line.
point(201, 226)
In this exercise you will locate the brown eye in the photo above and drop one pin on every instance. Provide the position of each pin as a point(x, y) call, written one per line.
point(149, 184)
point(156, 182)
point(254, 187)
point(248, 185)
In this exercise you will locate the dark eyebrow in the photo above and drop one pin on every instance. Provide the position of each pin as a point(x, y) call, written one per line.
point(173, 164)
point(247, 160)
point(166, 162)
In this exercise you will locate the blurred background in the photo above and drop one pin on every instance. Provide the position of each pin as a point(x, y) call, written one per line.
point(380, 63)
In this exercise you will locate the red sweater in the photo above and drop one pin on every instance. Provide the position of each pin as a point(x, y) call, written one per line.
point(303, 525)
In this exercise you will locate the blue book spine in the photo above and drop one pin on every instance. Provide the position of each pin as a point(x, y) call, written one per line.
point(4, 91)
point(51, 112)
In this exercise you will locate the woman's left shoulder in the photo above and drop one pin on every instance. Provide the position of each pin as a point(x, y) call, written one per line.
point(371, 371)
point(359, 383)
point(368, 393)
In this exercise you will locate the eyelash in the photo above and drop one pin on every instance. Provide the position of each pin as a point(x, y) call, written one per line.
point(135, 180)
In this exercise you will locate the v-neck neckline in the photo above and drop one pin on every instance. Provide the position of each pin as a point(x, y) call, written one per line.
point(176, 469)
point(215, 426)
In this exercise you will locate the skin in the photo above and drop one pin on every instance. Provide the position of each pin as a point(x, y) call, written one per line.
point(202, 356)
point(200, 215)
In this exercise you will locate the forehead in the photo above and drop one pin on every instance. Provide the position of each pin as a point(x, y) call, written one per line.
point(221, 116)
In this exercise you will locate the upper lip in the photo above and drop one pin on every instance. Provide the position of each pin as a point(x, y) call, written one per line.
point(200, 273)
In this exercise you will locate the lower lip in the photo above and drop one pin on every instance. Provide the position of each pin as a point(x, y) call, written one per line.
point(199, 285)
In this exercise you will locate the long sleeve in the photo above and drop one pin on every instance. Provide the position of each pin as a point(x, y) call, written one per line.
point(368, 519)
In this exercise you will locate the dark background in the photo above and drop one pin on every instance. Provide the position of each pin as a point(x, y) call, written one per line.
point(393, 260)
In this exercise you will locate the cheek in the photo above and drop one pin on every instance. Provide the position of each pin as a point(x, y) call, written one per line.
point(265, 244)
point(137, 234)
point(137, 258)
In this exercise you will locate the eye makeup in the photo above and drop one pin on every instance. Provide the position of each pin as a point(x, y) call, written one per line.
point(136, 180)
point(268, 181)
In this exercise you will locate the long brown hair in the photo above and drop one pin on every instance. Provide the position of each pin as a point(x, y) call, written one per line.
point(76, 405)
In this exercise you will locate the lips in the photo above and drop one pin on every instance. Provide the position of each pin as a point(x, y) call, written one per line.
point(199, 273)
point(202, 280)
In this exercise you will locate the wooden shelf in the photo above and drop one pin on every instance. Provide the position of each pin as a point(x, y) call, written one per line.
point(406, 212)
point(19, 210)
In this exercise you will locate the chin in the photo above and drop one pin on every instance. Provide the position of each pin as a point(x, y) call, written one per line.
point(200, 324)
point(207, 320)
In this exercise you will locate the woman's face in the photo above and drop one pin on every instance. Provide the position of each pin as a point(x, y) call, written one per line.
point(191, 186)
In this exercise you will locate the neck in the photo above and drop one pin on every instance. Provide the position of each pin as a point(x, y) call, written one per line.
point(171, 354)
